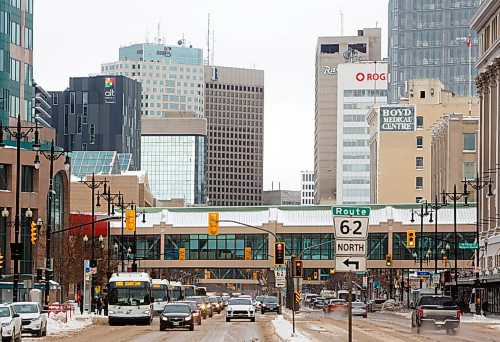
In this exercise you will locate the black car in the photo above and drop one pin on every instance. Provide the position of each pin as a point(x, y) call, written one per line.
point(214, 301)
point(176, 315)
point(270, 303)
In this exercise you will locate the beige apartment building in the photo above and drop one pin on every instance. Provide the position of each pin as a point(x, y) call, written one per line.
point(330, 52)
point(453, 153)
point(400, 141)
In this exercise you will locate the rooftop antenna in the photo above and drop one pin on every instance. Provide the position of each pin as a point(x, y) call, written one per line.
point(158, 39)
point(341, 23)
point(213, 47)
point(208, 40)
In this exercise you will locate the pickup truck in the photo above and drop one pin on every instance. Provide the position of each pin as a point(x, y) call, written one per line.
point(436, 312)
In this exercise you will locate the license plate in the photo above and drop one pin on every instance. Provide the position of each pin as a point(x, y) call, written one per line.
point(176, 323)
point(440, 323)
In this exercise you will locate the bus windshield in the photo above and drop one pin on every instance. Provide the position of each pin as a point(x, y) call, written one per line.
point(176, 293)
point(188, 290)
point(130, 296)
point(160, 294)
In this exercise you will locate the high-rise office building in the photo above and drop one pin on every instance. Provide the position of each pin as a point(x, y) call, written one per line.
point(100, 113)
point(306, 187)
point(330, 52)
point(360, 86)
point(171, 76)
point(174, 156)
point(430, 39)
point(234, 108)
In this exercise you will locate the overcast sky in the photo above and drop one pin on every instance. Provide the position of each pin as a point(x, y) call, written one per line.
point(73, 38)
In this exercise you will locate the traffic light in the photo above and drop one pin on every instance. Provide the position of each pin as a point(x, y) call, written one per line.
point(1, 262)
point(411, 238)
point(182, 254)
point(332, 271)
point(254, 275)
point(207, 274)
point(445, 261)
point(279, 253)
point(213, 223)
point(298, 269)
point(34, 232)
point(297, 297)
point(39, 275)
point(315, 275)
point(308, 280)
point(130, 220)
point(388, 260)
point(248, 253)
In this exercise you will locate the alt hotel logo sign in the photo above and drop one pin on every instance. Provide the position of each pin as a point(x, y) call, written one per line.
point(109, 89)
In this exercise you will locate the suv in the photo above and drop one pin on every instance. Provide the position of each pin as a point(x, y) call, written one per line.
point(270, 303)
point(10, 322)
point(309, 297)
point(34, 318)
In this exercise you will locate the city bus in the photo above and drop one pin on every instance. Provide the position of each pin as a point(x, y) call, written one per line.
point(130, 298)
point(175, 291)
point(160, 295)
point(193, 290)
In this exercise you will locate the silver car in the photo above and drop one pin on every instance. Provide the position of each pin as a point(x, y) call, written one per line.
point(359, 309)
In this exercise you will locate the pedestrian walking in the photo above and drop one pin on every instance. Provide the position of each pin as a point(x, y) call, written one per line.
point(99, 305)
point(484, 307)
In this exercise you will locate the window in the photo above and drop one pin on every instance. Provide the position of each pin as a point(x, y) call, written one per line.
point(66, 119)
point(469, 141)
point(72, 102)
point(420, 122)
point(329, 48)
point(4, 177)
point(84, 147)
point(420, 142)
point(92, 133)
point(419, 163)
point(469, 170)
point(79, 124)
point(85, 110)
point(418, 199)
point(422, 94)
point(419, 183)
point(55, 99)
point(28, 177)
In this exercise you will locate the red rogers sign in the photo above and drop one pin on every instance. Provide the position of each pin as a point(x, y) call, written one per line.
point(368, 76)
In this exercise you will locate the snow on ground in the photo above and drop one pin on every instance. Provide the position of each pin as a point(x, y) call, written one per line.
point(480, 319)
point(404, 314)
point(283, 328)
point(56, 323)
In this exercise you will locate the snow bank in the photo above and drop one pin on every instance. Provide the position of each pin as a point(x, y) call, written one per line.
point(56, 323)
point(479, 319)
point(283, 329)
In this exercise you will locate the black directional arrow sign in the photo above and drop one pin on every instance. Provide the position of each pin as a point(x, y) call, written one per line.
point(348, 263)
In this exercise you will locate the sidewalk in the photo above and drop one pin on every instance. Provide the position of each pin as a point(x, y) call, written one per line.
point(283, 328)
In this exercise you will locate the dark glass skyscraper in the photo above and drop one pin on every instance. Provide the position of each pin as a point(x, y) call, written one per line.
point(429, 39)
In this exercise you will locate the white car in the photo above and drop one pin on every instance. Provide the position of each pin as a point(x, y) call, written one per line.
point(240, 308)
point(33, 317)
point(11, 323)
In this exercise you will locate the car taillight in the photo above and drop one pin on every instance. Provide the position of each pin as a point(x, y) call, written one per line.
point(421, 313)
point(458, 314)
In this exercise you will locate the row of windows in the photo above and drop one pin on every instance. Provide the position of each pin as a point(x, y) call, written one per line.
point(150, 67)
point(365, 93)
point(234, 87)
point(28, 175)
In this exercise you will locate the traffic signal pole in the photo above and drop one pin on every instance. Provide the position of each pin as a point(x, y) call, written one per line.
point(292, 273)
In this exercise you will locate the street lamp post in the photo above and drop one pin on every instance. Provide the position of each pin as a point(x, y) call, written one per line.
point(19, 135)
point(93, 185)
point(52, 156)
point(420, 240)
point(478, 184)
point(436, 206)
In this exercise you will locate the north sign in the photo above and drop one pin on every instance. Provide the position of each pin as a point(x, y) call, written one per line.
point(350, 227)
point(350, 264)
point(350, 247)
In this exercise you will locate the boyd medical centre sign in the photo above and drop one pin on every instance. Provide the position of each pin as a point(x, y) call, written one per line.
point(397, 118)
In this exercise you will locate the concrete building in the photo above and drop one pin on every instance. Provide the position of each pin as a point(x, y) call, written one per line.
point(453, 153)
point(360, 85)
point(400, 142)
point(429, 39)
point(281, 197)
point(306, 187)
point(171, 76)
point(99, 113)
point(330, 52)
point(486, 23)
point(174, 154)
point(234, 108)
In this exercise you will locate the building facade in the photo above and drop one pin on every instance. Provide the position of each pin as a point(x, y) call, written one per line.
point(281, 197)
point(174, 154)
point(430, 39)
point(330, 52)
point(306, 187)
point(400, 142)
point(171, 76)
point(234, 108)
point(360, 86)
point(99, 113)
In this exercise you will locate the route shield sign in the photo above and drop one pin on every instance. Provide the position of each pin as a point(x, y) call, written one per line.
point(280, 275)
point(350, 263)
point(350, 227)
point(350, 247)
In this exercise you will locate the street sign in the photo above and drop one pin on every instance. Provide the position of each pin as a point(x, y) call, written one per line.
point(350, 227)
point(350, 264)
point(365, 281)
point(351, 211)
point(423, 274)
point(280, 274)
point(467, 245)
point(280, 285)
point(350, 247)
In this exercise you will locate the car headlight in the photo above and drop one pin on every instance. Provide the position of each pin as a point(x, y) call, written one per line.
point(188, 318)
point(163, 318)
point(35, 319)
point(263, 304)
point(6, 324)
point(146, 312)
point(111, 312)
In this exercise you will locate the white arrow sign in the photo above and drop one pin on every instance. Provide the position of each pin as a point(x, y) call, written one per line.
point(350, 264)
point(350, 247)
point(350, 227)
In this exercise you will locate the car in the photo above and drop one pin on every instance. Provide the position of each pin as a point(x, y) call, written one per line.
point(240, 308)
point(33, 317)
point(336, 305)
point(194, 310)
point(176, 315)
point(377, 304)
point(208, 305)
point(11, 323)
point(436, 312)
point(214, 301)
point(270, 303)
point(318, 302)
point(225, 299)
point(308, 297)
point(258, 301)
point(359, 309)
point(200, 302)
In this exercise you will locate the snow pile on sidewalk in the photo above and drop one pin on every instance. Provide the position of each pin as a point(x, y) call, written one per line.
point(479, 319)
point(56, 323)
point(283, 329)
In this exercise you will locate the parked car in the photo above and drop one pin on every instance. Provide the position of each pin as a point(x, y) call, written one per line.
point(194, 310)
point(436, 312)
point(33, 317)
point(11, 323)
point(336, 305)
point(318, 302)
point(359, 309)
point(176, 315)
point(377, 304)
point(240, 308)
point(270, 303)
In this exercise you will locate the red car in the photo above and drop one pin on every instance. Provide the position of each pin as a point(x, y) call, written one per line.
point(336, 305)
point(194, 310)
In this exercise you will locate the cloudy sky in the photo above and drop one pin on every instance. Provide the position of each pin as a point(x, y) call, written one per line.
point(73, 38)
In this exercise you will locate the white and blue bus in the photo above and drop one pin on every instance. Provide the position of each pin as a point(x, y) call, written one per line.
point(130, 298)
point(160, 295)
point(175, 291)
